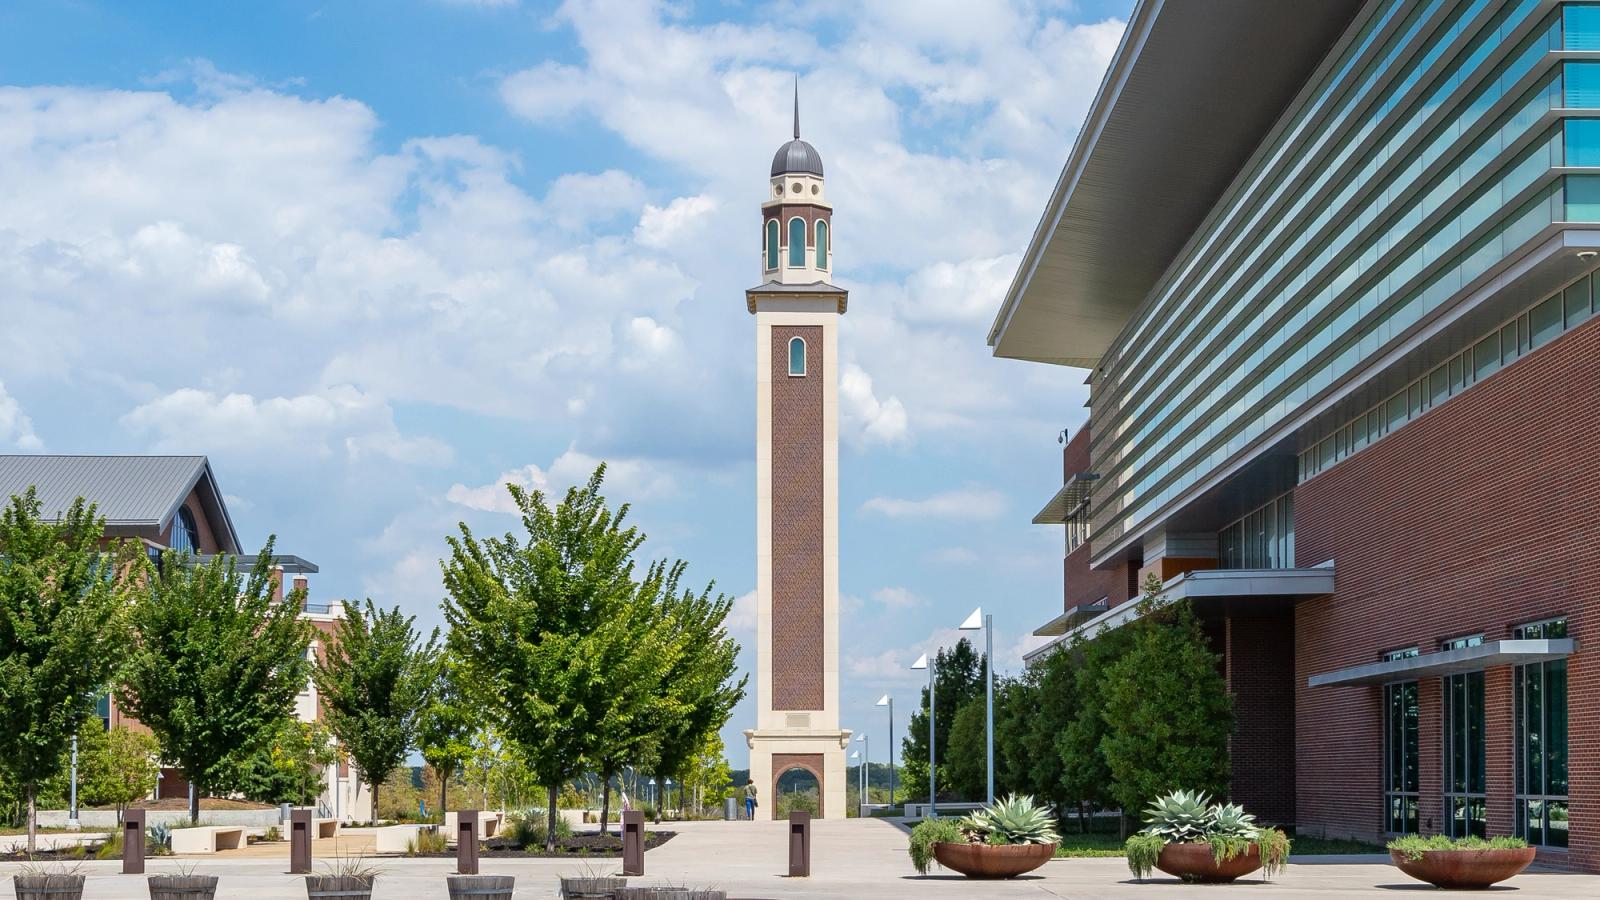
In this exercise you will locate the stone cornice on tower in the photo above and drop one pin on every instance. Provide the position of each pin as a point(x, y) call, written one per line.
point(777, 296)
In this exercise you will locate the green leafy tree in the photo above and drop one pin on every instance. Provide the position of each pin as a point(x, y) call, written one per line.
point(290, 767)
point(63, 603)
point(1085, 776)
point(447, 726)
point(216, 664)
point(958, 677)
point(376, 679)
point(116, 766)
point(546, 627)
point(966, 768)
point(706, 780)
point(1167, 711)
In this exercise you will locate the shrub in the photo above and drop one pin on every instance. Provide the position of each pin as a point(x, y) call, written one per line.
point(427, 840)
point(526, 828)
point(929, 832)
point(1188, 817)
point(796, 801)
point(1412, 846)
point(272, 834)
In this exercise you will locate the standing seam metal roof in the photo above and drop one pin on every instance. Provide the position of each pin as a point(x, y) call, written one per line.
point(126, 490)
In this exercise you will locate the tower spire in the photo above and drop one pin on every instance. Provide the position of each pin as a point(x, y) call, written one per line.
point(797, 106)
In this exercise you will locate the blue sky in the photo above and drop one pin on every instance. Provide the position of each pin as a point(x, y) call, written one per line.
point(377, 258)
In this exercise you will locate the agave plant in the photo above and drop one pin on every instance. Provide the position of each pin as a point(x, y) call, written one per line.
point(1014, 820)
point(1181, 817)
point(1230, 820)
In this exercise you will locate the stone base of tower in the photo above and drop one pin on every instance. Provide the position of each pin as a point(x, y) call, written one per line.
point(822, 753)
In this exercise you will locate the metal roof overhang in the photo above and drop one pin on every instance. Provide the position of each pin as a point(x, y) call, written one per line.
point(1450, 662)
point(1063, 623)
point(294, 565)
point(1191, 92)
point(1069, 498)
point(1226, 590)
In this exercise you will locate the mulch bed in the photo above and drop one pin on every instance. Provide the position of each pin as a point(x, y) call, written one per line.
point(588, 843)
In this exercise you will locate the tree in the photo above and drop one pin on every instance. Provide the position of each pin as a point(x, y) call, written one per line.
point(216, 664)
point(287, 768)
point(958, 677)
point(116, 766)
point(376, 679)
point(63, 602)
point(1085, 777)
point(545, 626)
point(447, 725)
point(706, 781)
point(966, 767)
point(1167, 710)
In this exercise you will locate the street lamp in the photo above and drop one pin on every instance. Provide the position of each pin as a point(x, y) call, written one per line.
point(974, 622)
point(888, 701)
point(866, 764)
point(859, 784)
point(933, 768)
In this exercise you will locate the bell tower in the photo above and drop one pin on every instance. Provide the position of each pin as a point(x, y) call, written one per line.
point(797, 310)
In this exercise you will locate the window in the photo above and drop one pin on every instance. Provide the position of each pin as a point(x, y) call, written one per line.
point(797, 242)
point(1541, 741)
point(185, 535)
point(1465, 804)
point(1262, 539)
point(772, 244)
point(822, 244)
point(1400, 752)
point(102, 709)
point(797, 356)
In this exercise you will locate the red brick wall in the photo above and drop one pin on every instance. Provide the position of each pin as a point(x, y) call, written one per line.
point(1085, 585)
point(797, 630)
point(1477, 516)
point(783, 762)
point(1258, 658)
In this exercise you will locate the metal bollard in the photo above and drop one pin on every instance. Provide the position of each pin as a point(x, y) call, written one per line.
point(467, 842)
point(300, 842)
point(632, 842)
point(133, 842)
point(799, 845)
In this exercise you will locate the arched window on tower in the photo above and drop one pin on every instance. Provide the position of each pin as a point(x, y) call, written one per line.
point(822, 244)
point(797, 356)
point(797, 242)
point(772, 244)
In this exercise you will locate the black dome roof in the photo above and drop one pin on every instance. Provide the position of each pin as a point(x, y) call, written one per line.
point(797, 158)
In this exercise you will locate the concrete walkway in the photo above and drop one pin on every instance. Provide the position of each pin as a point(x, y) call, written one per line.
point(851, 859)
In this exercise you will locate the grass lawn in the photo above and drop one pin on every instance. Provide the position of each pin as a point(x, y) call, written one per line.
point(1320, 846)
point(1095, 843)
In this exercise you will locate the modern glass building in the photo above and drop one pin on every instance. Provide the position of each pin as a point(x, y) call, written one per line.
point(1330, 268)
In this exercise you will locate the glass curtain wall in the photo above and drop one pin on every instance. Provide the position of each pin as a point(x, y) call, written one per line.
point(1541, 742)
point(1465, 799)
point(1261, 539)
point(1400, 775)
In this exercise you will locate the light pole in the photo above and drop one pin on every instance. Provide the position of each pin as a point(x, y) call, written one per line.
point(888, 701)
point(933, 768)
point(72, 817)
point(974, 622)
point(866, 765)
point(859, 783)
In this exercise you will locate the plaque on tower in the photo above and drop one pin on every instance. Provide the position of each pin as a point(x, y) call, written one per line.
point(796, 740)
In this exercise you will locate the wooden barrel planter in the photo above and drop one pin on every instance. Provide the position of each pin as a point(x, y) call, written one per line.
point(339, 887)
point(48, 887)
point(592, 888)
point(480, 887)
point(1464, 869)
point(183, 887)
point(1194, 862)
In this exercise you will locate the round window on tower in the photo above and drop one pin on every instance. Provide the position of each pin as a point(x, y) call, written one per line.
point(816, 189)
point(795, 188)
point(777, 190)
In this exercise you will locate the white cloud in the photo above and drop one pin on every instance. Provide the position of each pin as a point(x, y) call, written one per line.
point(681, 220)
point(866, 419)
point(897, 597)
point(282, 428)
point(16, 429)
point(742, 618)
point(963, 504)
point(630, 479)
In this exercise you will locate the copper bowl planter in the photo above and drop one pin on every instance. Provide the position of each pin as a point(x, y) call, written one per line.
point(992, 860)
point(1194, 862)
point(1464, 868)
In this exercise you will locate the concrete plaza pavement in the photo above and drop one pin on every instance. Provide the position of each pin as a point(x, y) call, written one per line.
point(851, 859)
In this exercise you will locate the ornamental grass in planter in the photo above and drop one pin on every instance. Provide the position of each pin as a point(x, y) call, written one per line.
point(1469, 862)
point(47, 882)
point(346, 878)
point(1005, 840)
point(1190, 837)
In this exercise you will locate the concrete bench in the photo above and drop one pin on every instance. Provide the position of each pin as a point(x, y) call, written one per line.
point(489, 823)
point(395, 838)
point(207, 838)
point(323, 829)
